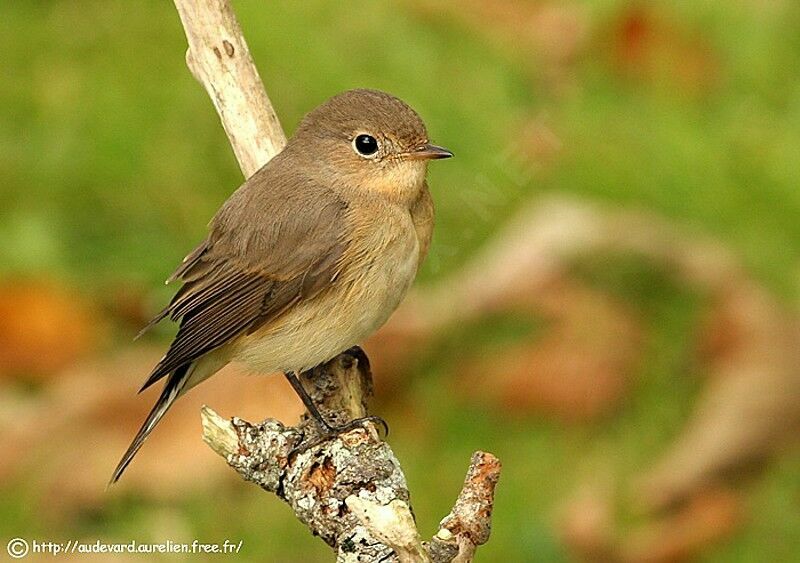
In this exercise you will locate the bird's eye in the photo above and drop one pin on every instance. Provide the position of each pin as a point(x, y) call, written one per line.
point(365, 145)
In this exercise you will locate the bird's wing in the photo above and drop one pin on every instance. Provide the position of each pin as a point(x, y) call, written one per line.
point(267, 250)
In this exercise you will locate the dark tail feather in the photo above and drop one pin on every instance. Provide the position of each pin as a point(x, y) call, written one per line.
point(172, 389)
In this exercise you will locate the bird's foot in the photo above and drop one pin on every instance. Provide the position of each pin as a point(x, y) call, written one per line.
point(328, 432)
point(332, 431)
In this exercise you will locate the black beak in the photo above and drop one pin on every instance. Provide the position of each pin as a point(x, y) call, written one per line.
point(430, 152)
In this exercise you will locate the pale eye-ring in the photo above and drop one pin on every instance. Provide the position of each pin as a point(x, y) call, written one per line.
point(366, 145)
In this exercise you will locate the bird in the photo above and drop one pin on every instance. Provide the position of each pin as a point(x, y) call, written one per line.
point(308, 257)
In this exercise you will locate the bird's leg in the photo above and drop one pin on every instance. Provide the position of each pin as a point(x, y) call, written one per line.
point(327, 431)
point(308, 402)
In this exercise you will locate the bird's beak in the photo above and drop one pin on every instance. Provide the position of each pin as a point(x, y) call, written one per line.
point(429, 152)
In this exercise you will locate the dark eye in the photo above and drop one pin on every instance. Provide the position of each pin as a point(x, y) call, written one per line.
point(365, 145)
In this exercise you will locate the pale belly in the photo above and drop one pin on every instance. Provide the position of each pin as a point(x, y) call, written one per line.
point(361, 300)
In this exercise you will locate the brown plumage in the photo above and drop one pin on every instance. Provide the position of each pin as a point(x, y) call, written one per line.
point(310, 255)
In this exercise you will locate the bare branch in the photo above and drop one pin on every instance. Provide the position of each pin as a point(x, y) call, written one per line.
point(220, 60)
point(470, 521)
point(350, 491)
point(322, 483)
point(393, 524)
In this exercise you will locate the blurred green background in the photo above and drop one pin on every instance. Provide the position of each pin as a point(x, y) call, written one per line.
point(112, 160)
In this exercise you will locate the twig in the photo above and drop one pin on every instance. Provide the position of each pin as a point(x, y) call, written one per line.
point(470, 521)
point(220, 60)
point(350, 491)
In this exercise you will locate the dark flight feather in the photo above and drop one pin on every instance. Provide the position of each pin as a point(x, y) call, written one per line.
point(241, 278)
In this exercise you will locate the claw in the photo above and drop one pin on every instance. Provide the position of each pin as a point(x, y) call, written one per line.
point(329, 432)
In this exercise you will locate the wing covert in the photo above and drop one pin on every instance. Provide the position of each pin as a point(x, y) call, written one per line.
point(252, 268)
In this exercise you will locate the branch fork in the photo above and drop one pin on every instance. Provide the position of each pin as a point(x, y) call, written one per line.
point(350, 490)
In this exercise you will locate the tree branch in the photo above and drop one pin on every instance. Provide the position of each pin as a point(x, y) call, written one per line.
point(219, 58)
point(350, 491)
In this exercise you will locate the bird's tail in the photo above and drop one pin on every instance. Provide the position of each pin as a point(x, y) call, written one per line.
point(172, 389)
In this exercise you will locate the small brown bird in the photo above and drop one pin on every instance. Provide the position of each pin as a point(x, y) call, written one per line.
point(309, 256)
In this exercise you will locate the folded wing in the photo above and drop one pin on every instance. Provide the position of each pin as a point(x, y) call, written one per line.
point(266, 251)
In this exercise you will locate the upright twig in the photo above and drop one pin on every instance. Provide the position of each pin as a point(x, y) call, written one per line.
point(350, 491)
point(219, 58)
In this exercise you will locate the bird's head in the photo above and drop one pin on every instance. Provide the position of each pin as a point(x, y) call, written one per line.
point(368, 140)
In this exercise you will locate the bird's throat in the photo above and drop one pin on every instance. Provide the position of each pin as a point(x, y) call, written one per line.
point(400, 183)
